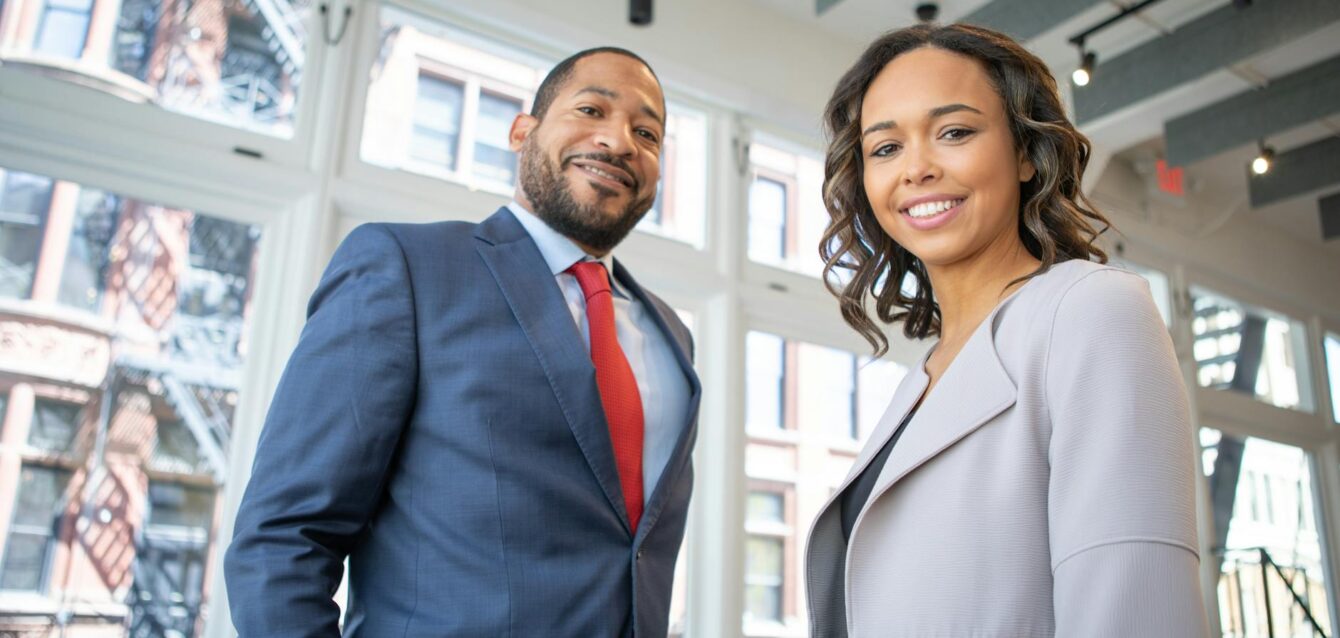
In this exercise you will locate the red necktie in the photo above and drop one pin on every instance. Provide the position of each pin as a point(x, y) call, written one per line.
point(618, 386)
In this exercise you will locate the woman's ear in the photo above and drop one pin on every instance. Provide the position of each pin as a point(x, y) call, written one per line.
point(1026, 169)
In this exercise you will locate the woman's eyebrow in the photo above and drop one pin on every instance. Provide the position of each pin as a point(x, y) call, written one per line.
point(939, 111)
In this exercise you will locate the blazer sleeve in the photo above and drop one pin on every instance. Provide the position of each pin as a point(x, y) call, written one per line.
point(1121, 499)
point(333, 427)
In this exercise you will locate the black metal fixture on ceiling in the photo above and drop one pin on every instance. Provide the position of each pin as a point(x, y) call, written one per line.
point(1264, 160)
point(928, 11)
point(1088, 59)
point(639, 12)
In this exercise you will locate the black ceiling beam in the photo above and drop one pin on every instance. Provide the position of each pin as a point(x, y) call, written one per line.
point(1293, 100)
point(1214, 41)
point(1297, 172)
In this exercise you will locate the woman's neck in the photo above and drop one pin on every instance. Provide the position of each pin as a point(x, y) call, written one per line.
point(968, 290)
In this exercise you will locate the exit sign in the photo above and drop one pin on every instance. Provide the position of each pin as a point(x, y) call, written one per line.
point(1170, 178)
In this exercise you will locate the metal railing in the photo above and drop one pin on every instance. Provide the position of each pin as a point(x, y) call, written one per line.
point(1266, 564)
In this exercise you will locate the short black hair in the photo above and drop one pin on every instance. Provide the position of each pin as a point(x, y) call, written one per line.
point(559, 75)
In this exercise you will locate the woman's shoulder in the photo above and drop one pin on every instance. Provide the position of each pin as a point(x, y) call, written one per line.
point(1086, 293)
point(1089, 294)
point(1104, 284)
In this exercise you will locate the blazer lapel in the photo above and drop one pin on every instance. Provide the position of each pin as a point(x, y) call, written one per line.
point(680, 456)
point(535, 299)
point(974, 389)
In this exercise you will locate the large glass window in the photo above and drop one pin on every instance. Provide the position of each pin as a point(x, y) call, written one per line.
point(763, 580)
point(680, 210)
point(24, 201)
point(765, 562)
point(55, 424)
point(237, 63)
point(137, 481)
point(84, 277)
point(808, 410)
point(1266, 536)
point(38, 508)
point(1250, 350)
point(786, 210)
point(437, 122)
point(1332, 347)
point(765, 372)
point(441, 102)
point(63, 28)
point(494, 159)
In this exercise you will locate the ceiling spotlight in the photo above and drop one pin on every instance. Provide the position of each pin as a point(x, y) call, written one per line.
point(1265, 159)
point(639, 12)
point(928, 12)
point(1082, 75)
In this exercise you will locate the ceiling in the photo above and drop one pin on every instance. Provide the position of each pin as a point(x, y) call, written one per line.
point(1135, 131)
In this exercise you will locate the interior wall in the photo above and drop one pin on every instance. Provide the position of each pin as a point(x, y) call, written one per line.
point(1222, 242)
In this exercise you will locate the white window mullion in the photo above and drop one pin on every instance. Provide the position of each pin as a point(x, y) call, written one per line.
point(465, 153)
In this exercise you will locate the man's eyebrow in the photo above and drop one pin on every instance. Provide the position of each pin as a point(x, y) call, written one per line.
point(650, 112)
point(610, 94)
point(939, 111)
point(601, 91)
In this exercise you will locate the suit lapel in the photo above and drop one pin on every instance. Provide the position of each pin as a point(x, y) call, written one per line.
point(538, 305)
point(974, 389)
point(680, 456)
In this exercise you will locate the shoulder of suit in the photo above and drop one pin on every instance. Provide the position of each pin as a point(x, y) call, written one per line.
point(431, 235)
point(1092, 293)
point(1079, 274)
point(1082, 288)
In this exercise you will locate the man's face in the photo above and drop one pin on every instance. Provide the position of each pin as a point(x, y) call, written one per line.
point(589, 169)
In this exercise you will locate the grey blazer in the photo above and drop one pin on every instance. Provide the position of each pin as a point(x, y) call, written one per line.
point(1044, 487)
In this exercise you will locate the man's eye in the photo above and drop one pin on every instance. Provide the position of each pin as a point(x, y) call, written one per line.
point(589, 110)
point(648, 135)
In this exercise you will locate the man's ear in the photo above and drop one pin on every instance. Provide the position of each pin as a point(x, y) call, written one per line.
point(522, 126)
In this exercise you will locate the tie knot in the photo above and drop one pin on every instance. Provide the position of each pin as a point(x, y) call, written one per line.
point(591, 276)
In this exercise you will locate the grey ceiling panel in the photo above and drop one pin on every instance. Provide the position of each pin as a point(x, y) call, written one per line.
point(821, 6)
point(1290, 101)
point(1330, 216)
point(1299, 171)
point(1024, 19)
point(1216, 40)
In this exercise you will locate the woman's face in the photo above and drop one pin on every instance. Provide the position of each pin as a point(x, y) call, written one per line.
point(940, 168)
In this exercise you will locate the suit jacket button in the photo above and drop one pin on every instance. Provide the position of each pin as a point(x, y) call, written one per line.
point(639, 554)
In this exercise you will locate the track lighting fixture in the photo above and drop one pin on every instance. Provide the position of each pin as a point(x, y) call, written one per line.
point(1087, 61)
point(639, 12)
point(928, 12)
point(1265, 159)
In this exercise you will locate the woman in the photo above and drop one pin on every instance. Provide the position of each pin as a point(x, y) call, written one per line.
point(1033, 473)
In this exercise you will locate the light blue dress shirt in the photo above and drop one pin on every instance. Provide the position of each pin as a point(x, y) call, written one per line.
point(660, 380)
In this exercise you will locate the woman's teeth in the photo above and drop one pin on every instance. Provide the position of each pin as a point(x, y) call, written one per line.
point(933, 208)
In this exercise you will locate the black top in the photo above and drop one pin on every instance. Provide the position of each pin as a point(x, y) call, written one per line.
point(854, 498)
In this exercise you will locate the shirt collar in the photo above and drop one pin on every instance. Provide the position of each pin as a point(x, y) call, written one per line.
point(559, 252)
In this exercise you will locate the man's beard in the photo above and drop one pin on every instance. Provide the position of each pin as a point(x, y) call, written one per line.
point(552, 199)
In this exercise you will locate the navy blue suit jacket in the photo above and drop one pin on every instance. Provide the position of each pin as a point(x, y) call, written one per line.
point(439, 424)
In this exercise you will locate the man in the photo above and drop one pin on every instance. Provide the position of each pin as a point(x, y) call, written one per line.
point(492, 422)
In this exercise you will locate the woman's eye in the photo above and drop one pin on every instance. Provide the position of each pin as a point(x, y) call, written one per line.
point(589, 110)
point(958, 133)
point(885, 150)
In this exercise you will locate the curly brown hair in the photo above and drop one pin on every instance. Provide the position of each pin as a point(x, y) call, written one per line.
point(1054, 214)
